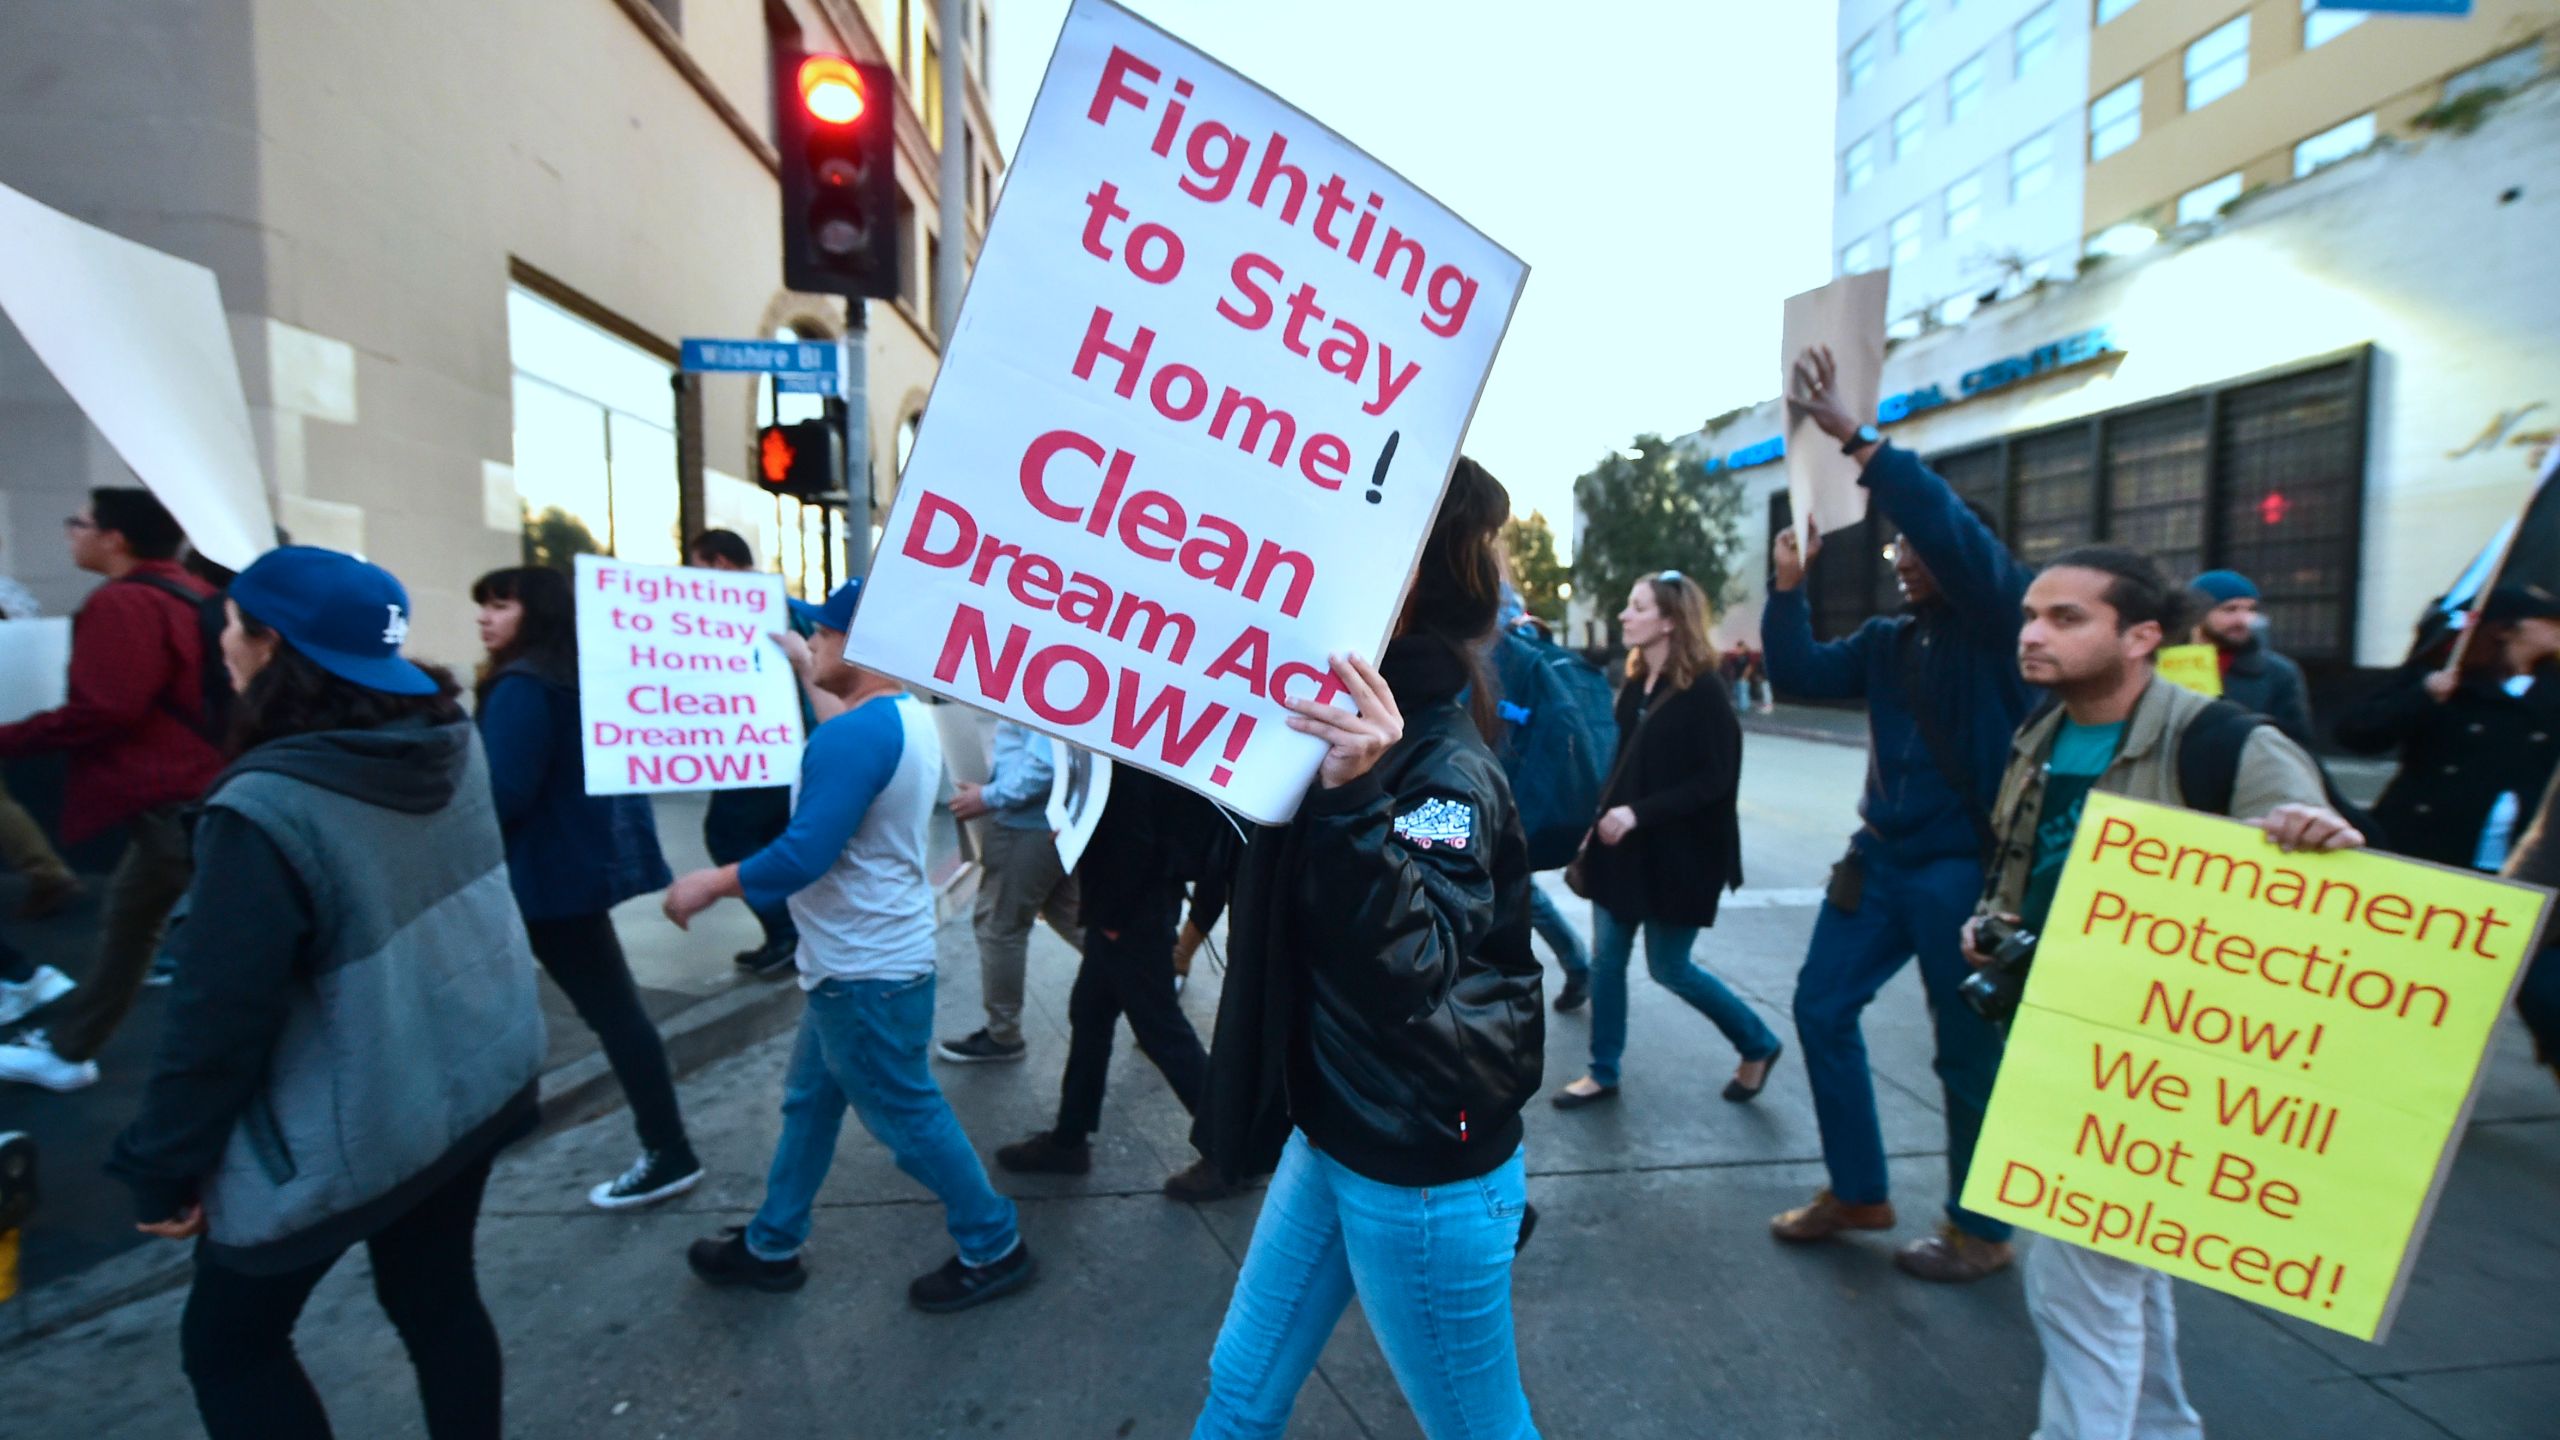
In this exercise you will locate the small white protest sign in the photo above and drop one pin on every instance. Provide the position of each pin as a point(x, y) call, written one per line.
point(1079, 786)
point(1209, 381)
point(1848, 316)
point(35, 666)
point(681, 685)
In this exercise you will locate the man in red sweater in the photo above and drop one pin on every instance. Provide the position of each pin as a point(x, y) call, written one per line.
point(134, 735)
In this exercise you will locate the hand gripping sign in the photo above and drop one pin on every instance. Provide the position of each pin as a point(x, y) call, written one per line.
point(681, 685)
point(2246, 1068)
point(1209, 381)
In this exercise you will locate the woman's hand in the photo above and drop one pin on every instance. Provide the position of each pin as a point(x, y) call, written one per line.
point(1355, 742)
point(188, 1225)
point(1616, 825)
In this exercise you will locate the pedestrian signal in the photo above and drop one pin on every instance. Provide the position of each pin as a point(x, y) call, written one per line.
point(798, 459)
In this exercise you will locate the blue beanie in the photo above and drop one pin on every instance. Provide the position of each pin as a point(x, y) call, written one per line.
point(2225, 586)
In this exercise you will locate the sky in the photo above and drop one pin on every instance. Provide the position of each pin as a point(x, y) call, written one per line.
point(1664, 167)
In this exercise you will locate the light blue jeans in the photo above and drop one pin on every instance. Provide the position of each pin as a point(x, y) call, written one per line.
point(862, 1043)
point(1551, 926)
point(1432, 1269)
point(1666, 954)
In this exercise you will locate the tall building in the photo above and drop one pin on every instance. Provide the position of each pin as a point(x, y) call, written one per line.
point(458, 244)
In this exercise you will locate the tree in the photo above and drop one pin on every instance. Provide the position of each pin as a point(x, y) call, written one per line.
point(555, 537)
point(1648, 510)
point(1542, 579)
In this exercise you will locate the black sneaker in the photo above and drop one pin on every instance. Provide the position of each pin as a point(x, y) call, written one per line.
point(1045, 1154)
point(980, 1048)
point(957, 1286)
point(1198, 1181)
point(1577, 989)
point(657, 1175)
point(723, 1259)
point(774, 957)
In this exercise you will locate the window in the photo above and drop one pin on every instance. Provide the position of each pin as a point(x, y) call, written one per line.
point(2205, 202)
point(1964, 88)
point(1859, 256)
point(1862, 62)
point(2035, 36)
point(1964, 205)
point(1910, 21)
point(1906, 237)
point(2116, 120)
point(2031, 168)
point(1858, 166)
point(2110, 9)
point(1907, 127)
point(2333, 145)
point(2218, 64)
point(2319, 26)
point(595, 434)
point(932, 93)
point(672, 11)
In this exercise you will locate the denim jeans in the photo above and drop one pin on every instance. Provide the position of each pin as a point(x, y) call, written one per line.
point(1666, 954)
point(862, 1042)
point(1432, 1269)
point(1557, 931)
point(1905, 909)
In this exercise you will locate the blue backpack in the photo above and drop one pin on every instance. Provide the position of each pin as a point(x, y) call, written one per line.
point(1560, 734)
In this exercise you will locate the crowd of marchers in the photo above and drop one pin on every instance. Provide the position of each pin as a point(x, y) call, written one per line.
point(348, 867)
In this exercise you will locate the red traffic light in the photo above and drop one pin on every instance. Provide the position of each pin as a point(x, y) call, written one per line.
point(831, 89)
point(776, 456)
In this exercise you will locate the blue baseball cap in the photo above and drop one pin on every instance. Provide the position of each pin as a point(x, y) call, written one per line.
point(345, 615)
point(837, 613)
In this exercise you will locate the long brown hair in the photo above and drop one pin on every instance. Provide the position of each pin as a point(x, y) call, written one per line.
point(546, 640)
point(1684, 604)
point(1457, 589)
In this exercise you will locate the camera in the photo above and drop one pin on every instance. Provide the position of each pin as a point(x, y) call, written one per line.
point(1993, 990)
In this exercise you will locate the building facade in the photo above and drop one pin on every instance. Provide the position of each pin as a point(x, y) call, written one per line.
point(458, 245)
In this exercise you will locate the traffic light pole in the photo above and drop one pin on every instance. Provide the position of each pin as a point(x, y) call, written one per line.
point(854, 417)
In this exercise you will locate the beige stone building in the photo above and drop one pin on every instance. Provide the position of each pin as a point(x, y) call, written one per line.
point(458, 244)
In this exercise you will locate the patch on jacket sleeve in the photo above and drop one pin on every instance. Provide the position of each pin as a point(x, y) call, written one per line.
point(1437, 824)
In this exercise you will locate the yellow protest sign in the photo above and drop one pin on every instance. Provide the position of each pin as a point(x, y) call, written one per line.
point(2246, 1068)
point(2196, 667)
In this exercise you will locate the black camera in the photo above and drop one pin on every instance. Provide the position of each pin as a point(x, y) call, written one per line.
point(1993, 990)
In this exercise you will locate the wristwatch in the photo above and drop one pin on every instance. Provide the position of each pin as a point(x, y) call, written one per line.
point(1867, 435)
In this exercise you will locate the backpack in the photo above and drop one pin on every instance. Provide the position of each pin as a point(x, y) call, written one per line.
point(2209, 765)
point(213, 720)
point(1560, 731)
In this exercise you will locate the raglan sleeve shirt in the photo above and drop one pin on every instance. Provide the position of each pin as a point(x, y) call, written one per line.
point(849, 762)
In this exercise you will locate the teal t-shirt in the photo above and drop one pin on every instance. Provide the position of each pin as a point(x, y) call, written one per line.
point(2081, 753)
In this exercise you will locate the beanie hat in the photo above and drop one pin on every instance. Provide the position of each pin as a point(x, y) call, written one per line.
point(2225, 586)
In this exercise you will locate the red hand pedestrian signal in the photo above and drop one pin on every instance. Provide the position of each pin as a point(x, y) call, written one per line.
point(776, 456)
point(798, 460)
point(2273, 508)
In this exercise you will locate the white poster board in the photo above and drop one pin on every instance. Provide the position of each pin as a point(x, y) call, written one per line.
point(1079, 786)
point(35, 667)
point(1209, 381)
point(1848, 316)
point(681, 685)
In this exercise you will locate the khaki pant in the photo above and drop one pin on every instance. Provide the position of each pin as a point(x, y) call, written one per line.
point(1021, 882)
point(24, 848)
point(148, 882)
point(2110, 1333)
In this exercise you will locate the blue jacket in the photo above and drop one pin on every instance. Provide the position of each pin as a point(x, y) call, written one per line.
point(568, 853)
point(1965, 656)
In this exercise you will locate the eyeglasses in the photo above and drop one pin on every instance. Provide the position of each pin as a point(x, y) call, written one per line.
point(78, 522)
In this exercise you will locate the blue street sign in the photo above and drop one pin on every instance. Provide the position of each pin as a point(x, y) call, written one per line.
point(2401, 7)
point(822, 383)
point(761, 357)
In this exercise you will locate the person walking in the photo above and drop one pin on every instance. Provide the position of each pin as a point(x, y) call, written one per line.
point(737, 823)
point(136, 732)
point(2254, 676)
point(852, 868)
point(353, 1029)
point(572, 857)
point(1021, 882)
point(1667, 843)
point(1380, 1028)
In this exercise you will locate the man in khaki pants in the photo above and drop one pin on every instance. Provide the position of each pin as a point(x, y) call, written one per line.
point(1021, 883)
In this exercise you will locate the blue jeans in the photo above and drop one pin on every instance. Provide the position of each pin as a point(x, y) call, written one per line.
point(1905, 909)
point(862, 1042)
point(1666, 954)
point(1557, 931)
point(1433, 1272)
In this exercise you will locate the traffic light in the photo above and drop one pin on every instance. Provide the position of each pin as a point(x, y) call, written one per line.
point(798, 459)
point(835, 124)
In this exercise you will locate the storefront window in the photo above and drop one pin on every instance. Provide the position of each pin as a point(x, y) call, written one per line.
point(595, 440)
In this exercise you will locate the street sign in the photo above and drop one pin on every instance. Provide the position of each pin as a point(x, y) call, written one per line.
point(825, 382)
point(2401, 7)
point(760, 357)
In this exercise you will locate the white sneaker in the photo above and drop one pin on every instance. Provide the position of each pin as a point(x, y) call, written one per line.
point(31, 1061)
point(25, 997)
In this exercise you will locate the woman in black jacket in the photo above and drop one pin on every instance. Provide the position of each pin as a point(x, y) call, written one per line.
point(1380, 1028)
point(353, 1030)
point(1667, 844)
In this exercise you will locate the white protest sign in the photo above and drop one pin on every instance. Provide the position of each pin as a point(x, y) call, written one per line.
point(35, 667)
point(1079, 786)
point(1209, 380)
point(681, 685)
point(1848, 316)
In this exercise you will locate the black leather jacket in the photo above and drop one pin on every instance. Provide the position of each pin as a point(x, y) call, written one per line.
point(1380, 992)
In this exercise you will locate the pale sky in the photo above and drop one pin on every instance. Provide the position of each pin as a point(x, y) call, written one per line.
point(1664, 167)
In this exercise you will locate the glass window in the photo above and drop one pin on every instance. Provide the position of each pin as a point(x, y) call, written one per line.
point(1908, 125)
point(2116, 120)
point(2206, 201)
point(2218, 64)
point(1906, 236)
point(2110, 9)
point(1964, 205)
point(2035, 36)
point(595, 436)
point(2333, 145)
point(1910, 21)
point(1862, 61)
point(1858, 256)
point(2031, 168)
point(1858, 165)
point(2319, 26)
point(1964, 88)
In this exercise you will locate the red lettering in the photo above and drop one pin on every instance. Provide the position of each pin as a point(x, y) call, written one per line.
point(995, 669)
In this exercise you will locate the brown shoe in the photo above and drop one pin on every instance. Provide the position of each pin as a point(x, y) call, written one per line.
point(1828, 1216)
point(1951, 1257)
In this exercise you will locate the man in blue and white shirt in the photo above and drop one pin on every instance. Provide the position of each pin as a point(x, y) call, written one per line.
point(852, 866)
point(1021, 882)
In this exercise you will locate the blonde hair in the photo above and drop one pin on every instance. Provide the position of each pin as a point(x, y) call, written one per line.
point(1684, 604)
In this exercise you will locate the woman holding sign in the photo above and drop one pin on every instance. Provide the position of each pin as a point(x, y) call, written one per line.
point(1380, 1028)
point(574, 856)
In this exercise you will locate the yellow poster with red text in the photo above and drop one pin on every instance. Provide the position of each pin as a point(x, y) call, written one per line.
point(2247, 1068)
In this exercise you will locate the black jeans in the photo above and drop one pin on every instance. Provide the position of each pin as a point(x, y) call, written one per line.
point(236, 1337)
point(737, 824)
point(584, 958)
point(1130, 973)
